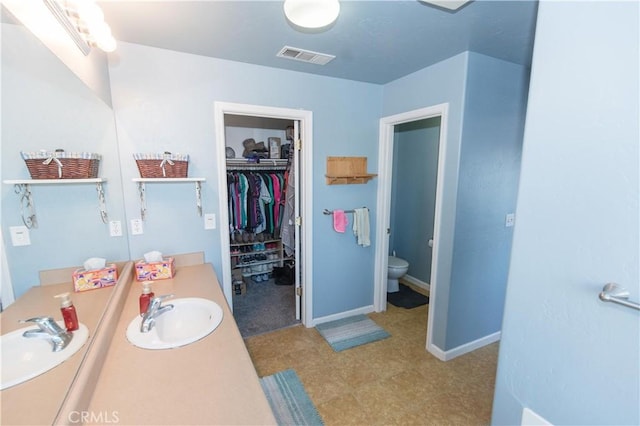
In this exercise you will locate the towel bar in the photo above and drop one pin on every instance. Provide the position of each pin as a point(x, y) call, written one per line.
point(327, 211)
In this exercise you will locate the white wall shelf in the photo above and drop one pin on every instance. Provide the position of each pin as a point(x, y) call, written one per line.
point(142, 191)
point(27, 209)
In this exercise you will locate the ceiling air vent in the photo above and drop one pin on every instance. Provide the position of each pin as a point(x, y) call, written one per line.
point(304, 55)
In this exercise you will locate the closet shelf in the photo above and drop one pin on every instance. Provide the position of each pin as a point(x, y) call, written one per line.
point(258, 262)
point(260, 251)
point(253, 242)
point(264, 164)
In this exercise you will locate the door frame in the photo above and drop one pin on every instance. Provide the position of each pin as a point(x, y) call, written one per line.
point(306, 204)
point(385, 173)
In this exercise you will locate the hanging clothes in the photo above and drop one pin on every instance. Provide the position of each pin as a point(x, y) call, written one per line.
point(254, 199)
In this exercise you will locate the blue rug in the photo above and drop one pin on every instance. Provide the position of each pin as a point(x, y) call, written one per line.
point(289, 401)
point(349, 332)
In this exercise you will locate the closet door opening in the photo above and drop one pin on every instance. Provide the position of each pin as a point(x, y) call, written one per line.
point(263, 193)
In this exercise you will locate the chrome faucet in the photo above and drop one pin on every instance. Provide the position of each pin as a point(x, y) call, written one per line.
point(154, 310)
point(50, 330)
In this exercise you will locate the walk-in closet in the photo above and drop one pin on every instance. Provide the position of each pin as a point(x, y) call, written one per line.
point(261, 196)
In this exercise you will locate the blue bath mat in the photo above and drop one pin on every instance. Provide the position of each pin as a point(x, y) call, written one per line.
point(289, 401)
point(349, 332)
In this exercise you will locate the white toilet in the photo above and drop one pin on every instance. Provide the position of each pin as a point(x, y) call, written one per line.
point(396, 269)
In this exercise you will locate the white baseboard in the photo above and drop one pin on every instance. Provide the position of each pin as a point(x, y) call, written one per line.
point(530, 418)
point(360, 311)
point(463, 349)
point(415, 281)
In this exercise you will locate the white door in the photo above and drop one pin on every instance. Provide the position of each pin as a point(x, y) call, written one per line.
point(296, 180)
point(291, 222)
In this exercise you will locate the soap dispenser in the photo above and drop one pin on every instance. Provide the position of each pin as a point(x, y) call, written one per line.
point(146, 296)
point(68, 311)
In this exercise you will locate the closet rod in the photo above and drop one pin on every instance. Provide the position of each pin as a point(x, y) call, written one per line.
point(257, 167)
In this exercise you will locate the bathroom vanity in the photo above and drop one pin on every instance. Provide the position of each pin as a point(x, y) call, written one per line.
point(211, 381)
point(38, 401)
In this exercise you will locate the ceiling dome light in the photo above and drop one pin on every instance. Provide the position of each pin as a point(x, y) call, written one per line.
point(311, 13)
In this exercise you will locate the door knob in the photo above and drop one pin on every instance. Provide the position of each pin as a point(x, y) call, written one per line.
point(430, 242)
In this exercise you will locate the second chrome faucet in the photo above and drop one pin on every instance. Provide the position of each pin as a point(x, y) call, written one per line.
point(155, 309)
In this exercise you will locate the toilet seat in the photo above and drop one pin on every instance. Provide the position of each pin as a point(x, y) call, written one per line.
point(396, 262)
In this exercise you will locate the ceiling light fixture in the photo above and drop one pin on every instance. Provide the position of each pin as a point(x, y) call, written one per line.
point(311, 13)
point(84, 21)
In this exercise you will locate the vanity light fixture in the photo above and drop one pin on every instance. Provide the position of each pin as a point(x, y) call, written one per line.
point(311, 13)
point(84, 21)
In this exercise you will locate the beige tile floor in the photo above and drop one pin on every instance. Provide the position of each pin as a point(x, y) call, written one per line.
point(389, 382)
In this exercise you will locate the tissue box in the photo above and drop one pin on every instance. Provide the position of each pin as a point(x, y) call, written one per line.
point(98, 278)
point(155, 270)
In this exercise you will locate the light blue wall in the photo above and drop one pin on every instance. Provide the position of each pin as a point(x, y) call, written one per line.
point(46, 106)
point(413, 197)
point(443, 82)
point(565, 354)
point(486, 110)
point(163, 100)
point(494, 113)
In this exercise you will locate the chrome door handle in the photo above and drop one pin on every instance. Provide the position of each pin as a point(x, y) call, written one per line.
point(612, 292)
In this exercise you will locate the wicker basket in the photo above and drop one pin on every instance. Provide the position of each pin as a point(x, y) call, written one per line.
point(164, 165)
point(62, 165)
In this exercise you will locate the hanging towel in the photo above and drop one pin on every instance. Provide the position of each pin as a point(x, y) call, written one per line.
point(340, 221)
point(361, 226)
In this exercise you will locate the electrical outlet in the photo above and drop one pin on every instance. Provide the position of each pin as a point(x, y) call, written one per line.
point(210, 221)
point(510, 220)
point(19, 236)
point(115, 228)
point(136, 227)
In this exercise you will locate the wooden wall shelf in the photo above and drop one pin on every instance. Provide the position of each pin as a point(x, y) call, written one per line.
point(347, 170)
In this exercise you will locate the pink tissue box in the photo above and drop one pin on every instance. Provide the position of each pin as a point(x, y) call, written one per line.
point(155, 270)
point(98, 278)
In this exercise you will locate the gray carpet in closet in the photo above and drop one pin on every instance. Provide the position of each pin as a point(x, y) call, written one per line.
point(264, 307)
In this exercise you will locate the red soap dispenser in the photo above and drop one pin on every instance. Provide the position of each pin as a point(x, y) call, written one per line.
point(68, 312)
point(145, 297)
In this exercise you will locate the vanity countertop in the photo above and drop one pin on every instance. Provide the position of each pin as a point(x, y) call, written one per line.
point(38, 400)
point(209, 382)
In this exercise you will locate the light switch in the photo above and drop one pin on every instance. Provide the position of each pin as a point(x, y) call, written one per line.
point(20, 236)
point(210, 221)
point(510, 220)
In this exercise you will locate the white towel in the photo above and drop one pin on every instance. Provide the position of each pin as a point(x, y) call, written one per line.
point(361, 226)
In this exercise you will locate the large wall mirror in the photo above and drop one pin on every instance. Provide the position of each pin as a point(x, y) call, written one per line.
point(46, 106)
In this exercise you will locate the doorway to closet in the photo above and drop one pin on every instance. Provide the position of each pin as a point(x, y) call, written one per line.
point(262, 200)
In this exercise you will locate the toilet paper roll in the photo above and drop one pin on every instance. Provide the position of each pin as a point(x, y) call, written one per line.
point(94, 263)
point(153, 256)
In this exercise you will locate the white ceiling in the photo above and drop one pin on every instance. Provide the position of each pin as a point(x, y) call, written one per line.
point(373, 41)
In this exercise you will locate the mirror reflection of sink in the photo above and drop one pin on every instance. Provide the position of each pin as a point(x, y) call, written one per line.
point(24, 358)
point(191, 319)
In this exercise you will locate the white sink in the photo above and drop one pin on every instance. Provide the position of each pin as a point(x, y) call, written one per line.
point(191, 319)
point(24, 358)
